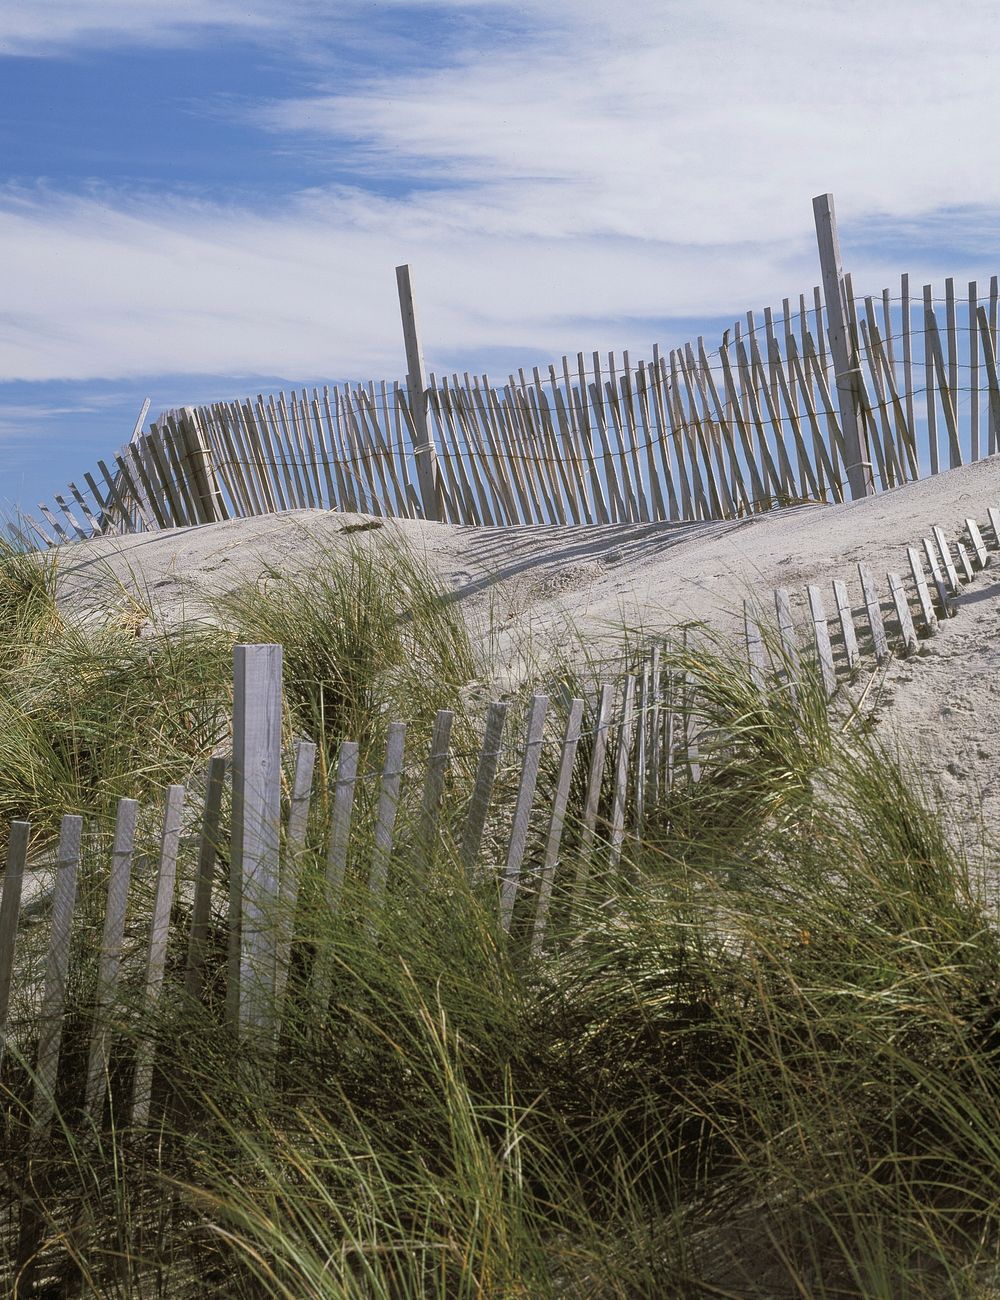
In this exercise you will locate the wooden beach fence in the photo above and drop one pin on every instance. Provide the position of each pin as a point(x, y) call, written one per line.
point(554, 802)
point(835, 395)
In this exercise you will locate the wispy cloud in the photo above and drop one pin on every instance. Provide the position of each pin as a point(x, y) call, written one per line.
point(150, 286)
point(153, 286)
point(29, 28)
point(53, 27)
point(564, 188)
point(695, 124)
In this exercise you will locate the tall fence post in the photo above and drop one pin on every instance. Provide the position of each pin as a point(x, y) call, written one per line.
point(255, 836)
point(416, 388)
point(845, 361)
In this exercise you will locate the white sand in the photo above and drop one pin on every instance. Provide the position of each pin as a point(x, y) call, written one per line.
point(946, 702)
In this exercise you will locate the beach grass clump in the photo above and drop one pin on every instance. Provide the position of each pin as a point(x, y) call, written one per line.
point(368, 637)
point(27, 595)
point(90, 711)
point(111, 702)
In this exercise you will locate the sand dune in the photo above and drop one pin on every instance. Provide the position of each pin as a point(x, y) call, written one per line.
point(945, 704)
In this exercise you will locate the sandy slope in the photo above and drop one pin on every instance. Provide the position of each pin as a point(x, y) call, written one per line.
point(944, 709)
point(947, 702)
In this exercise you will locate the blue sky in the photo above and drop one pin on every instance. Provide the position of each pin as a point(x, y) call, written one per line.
point(203, 200)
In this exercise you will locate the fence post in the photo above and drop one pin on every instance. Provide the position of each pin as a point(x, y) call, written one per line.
point(416, 388)
point(255, 836)
point(845, 360)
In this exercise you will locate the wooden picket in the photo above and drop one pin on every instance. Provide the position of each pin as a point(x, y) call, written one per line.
point(10, 906)
point(208, 852)
point(110, 956)
point(156, 956)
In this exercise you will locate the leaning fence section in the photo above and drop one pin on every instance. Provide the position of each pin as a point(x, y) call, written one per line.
point(773, 415)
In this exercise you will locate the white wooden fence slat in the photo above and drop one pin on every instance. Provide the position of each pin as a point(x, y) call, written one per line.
point(486, 771)
point(905, 313)
point(38, 529)
point(110, 955)
point(385, 817)
point(978, 545)
point(946, 386)
point(789, 644)
point(522, 808)
point(256, 830)
point(641, 748)
point(423, 443)
point(71, 518)
point(208, 852)
point(345, 783)
point(595, 779)
point(94, 524)
point(973, 372)
point(344, 787)
point(653, 785)
point(845, 362)
point(821, 632)
point(933, 448)
point(923, 593)
point(623, 764)
point(53, 523)
point(873, 608)
point(156, 956)
point(557, 822)
point(963, 562)
point(669, 744)
point(291, 866)
point(942, 590)
point(946, 559)
point(692, 750)
point(52, 1010)
point(903, 613)
point(994, 517)
point(987, 334)
point(755, 647)
point(845, 616)
point(10, 909)
point(437, 766)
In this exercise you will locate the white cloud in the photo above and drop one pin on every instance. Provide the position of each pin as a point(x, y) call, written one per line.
point(53, 27)
point(27, 27)
point(94, 288)
point(694, 123)
point(653, 162)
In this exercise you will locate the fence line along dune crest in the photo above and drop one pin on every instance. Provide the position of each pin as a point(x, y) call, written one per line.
point(834, 397)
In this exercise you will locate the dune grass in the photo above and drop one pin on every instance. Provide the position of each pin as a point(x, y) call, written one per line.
point(763, 1059)
point(111, 704)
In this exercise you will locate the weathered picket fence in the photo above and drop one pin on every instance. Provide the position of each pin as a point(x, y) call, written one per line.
point(833, 396)
point(545, 820)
